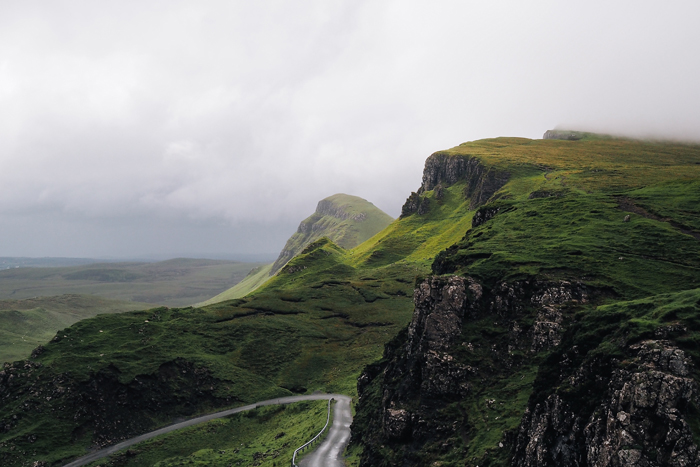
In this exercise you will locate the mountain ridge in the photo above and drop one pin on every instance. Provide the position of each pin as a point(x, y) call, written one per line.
point(346, 220)
point(486, 310)
point(524, 345)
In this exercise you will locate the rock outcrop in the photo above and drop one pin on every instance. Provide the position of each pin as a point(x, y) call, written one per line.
point(484, 214)
point(443, 170)
point(424, 370)
point(562, 134)
point(587, 409)
point(640, 421)
point(412, 205)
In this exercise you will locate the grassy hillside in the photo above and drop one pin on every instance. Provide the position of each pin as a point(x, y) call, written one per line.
point(255, 278)
point(312, 327)
point(559, 212)
point(267, 435)
point(562, 215)
point(176, 282)
point(346, 220)
point(26, 324)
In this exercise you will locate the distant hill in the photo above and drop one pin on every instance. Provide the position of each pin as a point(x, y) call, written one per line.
point(175, 282)
point(344, 219)
point(12, 262)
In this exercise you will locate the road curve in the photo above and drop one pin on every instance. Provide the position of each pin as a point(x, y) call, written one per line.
point(93, 456)
point(330, 452)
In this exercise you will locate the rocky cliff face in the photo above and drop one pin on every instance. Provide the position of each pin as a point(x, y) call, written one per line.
point(429, 398)
point(443, 170)
point(430, 370)
point(327, 207)
point(562, 134)
point(640, 421)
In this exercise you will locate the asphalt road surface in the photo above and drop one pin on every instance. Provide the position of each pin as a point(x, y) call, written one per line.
point(330, 452)
point(205, 418)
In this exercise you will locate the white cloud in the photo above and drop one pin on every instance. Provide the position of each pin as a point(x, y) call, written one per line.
point(232, 112)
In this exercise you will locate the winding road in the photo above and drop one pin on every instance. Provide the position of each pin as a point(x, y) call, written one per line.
point(330, 452)
point(341, 436)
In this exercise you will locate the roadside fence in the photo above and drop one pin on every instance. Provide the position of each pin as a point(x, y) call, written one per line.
point(315, 438)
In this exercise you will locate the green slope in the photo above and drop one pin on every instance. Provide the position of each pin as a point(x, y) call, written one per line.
point(330, 310)
point(313, 326)
point(344, 219)
point(25, 324)
point(255, 278)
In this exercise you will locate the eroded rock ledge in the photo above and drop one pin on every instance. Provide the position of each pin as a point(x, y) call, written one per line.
point(443, 170)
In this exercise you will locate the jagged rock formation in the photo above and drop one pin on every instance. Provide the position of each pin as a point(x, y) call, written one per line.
point(634, 414)
point(484, 214)
point(538, 348)
point(425, 370)
point(344, 219)
point(639, 422)
point(443, 170)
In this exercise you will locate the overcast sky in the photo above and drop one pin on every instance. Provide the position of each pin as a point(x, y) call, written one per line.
point(168, 128)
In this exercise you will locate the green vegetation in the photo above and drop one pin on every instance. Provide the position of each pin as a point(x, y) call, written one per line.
point(267, 435)
point(562, 221)
point(313, 326)
point(561, 216)
point(255, 278)
point(26, 324)
point(329, 311)
point(176, 282)
point(346, 220)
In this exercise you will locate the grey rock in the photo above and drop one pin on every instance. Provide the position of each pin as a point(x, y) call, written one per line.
point(639, 422)
point(562, 134)
point(443, 170)
point(483, 215)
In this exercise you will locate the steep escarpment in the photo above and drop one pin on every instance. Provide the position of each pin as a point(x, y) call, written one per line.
point(344, 219)
point(464, 357)
point(528, 374)
point(443, 170)
point(562, 328)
